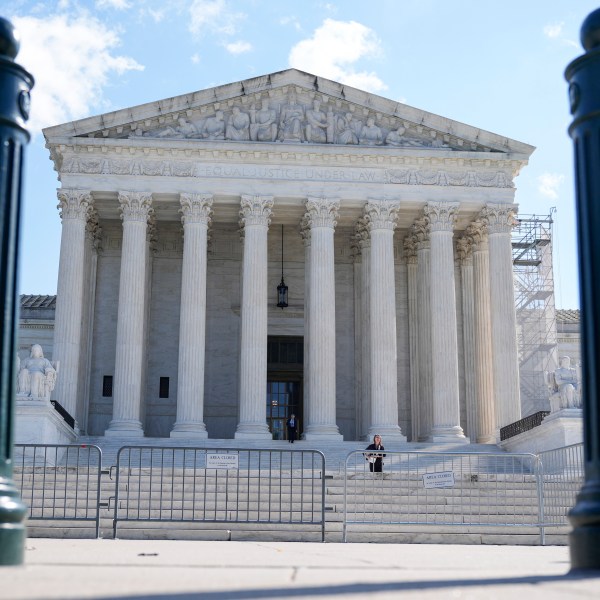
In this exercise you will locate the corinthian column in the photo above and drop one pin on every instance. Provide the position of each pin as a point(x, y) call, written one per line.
point(381, 221)
point(75, 207)
point(410, 251)
point(420, 230)
point(363, 325)
point(255, 215)
point(136, 209)
point(305, 233)
point(484, 368)
point(500, 220)
point(464, 250)
point(321, 215)
point(196, 210)
point(444, 343)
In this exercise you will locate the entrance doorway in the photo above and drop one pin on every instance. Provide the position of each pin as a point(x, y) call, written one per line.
point(285, 366)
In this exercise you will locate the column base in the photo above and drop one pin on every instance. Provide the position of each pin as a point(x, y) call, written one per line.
point(487, 439)
point(253, 431)
point(387, 433)
point(189, 430)
point(322, 432)
point(124, 428)
point(450, 435)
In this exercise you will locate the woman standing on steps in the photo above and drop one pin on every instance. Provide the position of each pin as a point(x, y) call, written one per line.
point(375, 459)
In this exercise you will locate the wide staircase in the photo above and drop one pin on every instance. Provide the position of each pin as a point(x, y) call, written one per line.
point(161, 500)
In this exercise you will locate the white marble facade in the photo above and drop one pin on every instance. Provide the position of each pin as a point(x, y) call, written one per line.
point(172, 216)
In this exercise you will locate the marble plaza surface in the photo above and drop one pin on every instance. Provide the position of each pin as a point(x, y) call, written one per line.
point(185, 570)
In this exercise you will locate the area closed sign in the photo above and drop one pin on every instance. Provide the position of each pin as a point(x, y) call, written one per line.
point(221, 461)
point(438, 480)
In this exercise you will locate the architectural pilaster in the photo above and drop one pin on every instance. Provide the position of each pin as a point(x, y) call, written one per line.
point(410, 251)
point(484, 368)
point(444, 343)
point(420, 230)
point(136, 210)
point(500, 220)
point(75, 207)
point(464, 251)
point(321, 214)
point(381, 218)
point(363, 324)
point(196, 211)
point(255, 215)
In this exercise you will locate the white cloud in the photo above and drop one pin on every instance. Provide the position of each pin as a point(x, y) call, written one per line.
point(291, 20)
point(213, 15)
point(118, 4)
point(334, 48)
point(72, 59)
point(554, 31)
point(195, 58)
point(157, 15)
point(238, 47)
point(548, 184)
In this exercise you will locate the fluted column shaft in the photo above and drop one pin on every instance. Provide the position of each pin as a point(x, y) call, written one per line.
point(464, 248)
point(444, 343)
point(75, 206)
point(410, 251)
point(196, 210)
point(305, 232)
point(381, 222)
point(255, 215)
point(421, 231)
point(499, 220)
point(136, 208)
point(321, 215)
point(484, 369)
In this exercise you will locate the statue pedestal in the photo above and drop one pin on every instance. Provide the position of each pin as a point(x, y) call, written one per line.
point(37, 422)
point(558, 429)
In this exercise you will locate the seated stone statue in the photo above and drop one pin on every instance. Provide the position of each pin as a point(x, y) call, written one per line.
point(263, 127)
point(371, 134)
point(214, 127)
point(238, 126)
point(564, 386)
point(316, 124)
point(37, 375)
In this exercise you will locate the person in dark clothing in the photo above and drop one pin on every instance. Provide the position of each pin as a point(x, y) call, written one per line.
point(375, 458)
point(292, 427)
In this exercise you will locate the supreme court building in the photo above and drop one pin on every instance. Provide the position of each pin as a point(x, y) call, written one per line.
point(390, 226)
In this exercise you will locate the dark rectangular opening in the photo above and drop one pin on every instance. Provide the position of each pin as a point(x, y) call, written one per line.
point(163, 388)
point(107, 382)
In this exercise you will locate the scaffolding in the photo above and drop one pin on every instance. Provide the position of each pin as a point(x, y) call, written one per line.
point(536, 312)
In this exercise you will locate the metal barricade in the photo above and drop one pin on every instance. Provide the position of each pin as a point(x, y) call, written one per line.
point(225, 485)
point(60, 482)
point(443, 489)
point(562, 475)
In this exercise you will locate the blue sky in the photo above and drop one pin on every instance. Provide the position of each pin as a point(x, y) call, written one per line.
point(494, 65)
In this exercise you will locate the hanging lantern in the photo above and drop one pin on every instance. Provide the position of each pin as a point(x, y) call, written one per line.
point(282, 289)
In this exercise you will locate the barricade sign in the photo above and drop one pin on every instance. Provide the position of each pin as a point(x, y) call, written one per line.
point(221, 461)
point(438, 480)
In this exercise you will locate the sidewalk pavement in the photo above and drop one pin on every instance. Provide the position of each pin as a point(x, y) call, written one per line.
point(200, 570)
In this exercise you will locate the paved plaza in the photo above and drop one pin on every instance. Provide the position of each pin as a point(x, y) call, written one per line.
point(198, 570)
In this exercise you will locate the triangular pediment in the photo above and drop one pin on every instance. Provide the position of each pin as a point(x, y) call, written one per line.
point(289, 107)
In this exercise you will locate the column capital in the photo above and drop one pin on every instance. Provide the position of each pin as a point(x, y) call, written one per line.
point(410, 248)
point(74, 204)
point(135, 206)
point(195, 208)
point(381, 214)
point(322, 212)
point(441, 215)
point(421, 229)
point(477, 232)
point(255, 210)
point(499, 218)
point(464, 249)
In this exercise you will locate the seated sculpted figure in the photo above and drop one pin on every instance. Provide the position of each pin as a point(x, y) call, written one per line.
point(263, 127)
point(371, 134)
point(214, 127)
point(347, 129)
point(564, 382)
point(291, 120)
point(37, 375)
point(238, 125)
point(316, 124)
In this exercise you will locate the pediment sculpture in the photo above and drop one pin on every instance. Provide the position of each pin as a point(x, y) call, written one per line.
point(36, 376)
point(297, 120)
